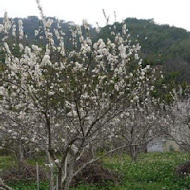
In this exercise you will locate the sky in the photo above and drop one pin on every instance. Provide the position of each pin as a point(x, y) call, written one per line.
point(172, 12)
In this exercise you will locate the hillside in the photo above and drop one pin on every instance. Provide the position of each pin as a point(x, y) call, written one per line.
point(161, 44)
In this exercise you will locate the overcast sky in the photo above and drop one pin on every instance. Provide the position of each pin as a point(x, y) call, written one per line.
point(172, 12)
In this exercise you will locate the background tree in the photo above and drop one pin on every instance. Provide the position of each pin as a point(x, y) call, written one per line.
point(138, 126)
point(178, 118)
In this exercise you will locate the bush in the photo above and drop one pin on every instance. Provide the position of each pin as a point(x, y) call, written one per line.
point(26, 173)
point(95, 173)
point(183, 170)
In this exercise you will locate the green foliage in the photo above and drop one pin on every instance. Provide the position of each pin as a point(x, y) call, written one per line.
point(161, 44)
point(151, 171)
point(6, 162)
point(22, 185)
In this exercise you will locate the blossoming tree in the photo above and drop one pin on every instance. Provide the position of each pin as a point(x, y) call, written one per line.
point(138, 123)
point(178, 121)
point(63, 100)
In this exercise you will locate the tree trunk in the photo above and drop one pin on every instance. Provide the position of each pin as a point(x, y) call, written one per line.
point(60, 176)
point(67, 182)
point(21, 160)
point(64, 185)
point(48, 151)
point(69, 176)
point(134, 156)
point(51, 179)
point(134, 152)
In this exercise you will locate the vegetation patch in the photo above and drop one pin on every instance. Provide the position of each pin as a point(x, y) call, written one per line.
point(25, 173)
point(96, 174)
point(151, 171)
point(183, 169)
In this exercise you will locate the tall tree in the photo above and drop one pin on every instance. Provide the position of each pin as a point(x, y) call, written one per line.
point(65, 99)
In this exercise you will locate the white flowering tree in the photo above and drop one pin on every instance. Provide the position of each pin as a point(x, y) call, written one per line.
point(137, 127)
point(178, 121)
point(63, 100)
point(138, 123)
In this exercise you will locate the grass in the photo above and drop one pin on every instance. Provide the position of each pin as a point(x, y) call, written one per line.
point(28, 185)
point(153, 171)
point(6, 162)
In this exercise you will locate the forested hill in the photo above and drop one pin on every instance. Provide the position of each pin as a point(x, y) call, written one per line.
point(161, 44)
point(32, 23)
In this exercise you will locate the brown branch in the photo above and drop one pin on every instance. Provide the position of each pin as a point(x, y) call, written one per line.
point(96, 159)
point(4, 186)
